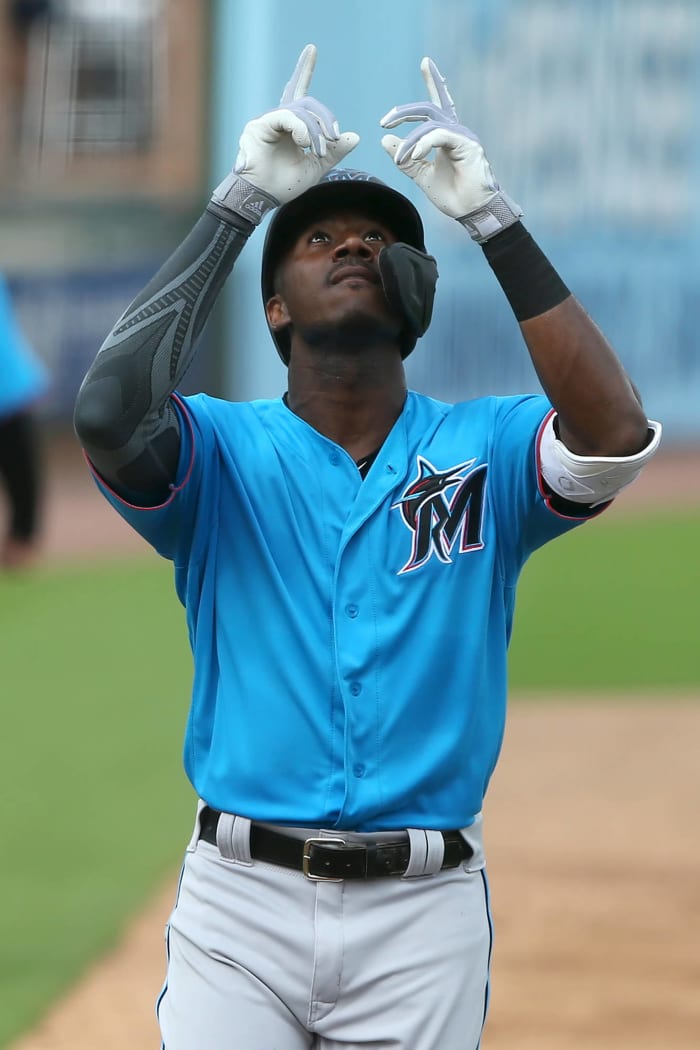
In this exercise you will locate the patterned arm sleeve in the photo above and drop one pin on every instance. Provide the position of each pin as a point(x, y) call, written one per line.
point(124, 417)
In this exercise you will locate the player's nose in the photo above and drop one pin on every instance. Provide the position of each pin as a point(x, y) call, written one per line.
point(352, 244)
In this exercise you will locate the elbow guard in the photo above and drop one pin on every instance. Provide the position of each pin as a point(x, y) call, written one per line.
point(590, 479)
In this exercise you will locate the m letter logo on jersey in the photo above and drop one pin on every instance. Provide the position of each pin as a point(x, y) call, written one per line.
point(439, 506)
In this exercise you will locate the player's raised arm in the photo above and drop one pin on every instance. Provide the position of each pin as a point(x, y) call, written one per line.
point(599, 413)
point(124, 416)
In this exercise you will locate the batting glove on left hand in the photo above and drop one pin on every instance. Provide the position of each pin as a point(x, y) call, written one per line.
point(285, 151)
point(458, 179)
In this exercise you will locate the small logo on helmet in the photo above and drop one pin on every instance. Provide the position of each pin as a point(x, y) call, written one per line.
point(350, 175)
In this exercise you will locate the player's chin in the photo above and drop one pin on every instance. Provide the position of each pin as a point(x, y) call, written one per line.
point(366, 308)
point(355, 328)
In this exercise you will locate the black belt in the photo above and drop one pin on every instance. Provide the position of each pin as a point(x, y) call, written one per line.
point(331, 857)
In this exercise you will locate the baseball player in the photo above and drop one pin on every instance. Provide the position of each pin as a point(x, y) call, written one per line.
point(347, 556)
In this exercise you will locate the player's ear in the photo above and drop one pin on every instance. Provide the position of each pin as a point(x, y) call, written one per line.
point(277, 313)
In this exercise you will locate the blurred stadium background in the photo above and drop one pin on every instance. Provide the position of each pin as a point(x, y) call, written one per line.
point(124, 114)
point(118, 117)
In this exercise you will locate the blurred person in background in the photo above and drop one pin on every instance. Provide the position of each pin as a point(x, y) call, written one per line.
point(24, 380)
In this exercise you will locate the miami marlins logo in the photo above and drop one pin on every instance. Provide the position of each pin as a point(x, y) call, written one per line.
point(441, 506)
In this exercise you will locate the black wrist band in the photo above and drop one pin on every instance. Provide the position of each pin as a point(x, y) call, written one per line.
point(530, 282)
point(231, 218)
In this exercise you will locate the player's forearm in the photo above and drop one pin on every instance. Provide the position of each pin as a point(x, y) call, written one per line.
point(123, 416)
point(599, 411)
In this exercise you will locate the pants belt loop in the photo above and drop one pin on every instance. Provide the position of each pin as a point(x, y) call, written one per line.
point(427, 853)
point(436, 852)
point(233, 838)
point(192, 844)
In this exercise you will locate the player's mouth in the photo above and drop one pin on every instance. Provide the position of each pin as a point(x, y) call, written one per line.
point(354, 272)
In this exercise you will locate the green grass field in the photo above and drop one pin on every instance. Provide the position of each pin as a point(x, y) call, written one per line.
point(612, 605)
point(95, 806)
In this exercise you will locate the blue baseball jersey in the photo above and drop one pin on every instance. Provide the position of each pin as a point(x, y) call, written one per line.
point(350, 636)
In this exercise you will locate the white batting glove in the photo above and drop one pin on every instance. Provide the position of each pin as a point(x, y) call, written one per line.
point(458, 179)
point(285, 151)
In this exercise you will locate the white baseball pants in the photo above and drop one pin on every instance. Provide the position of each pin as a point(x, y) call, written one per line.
point(262, 958)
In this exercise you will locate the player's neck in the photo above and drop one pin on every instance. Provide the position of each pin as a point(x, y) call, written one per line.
point(352, 402)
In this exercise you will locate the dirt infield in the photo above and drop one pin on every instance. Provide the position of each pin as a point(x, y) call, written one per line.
point(594, 853)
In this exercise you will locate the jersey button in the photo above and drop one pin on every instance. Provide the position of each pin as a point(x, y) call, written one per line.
point(334, 458)
point(358, 770)
point(355, 688)
point(352, 611)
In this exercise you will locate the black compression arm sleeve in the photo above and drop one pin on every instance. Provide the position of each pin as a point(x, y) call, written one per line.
point(530, 282)
point(123, 416)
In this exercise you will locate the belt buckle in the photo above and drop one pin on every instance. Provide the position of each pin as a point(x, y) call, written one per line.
point(306, 858)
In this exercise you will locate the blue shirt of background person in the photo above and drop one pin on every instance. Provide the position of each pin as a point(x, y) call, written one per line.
point(24, 377)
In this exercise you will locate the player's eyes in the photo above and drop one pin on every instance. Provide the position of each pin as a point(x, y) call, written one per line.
point(322, 237)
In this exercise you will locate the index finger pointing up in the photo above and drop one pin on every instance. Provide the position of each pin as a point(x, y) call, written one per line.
point(437, 87)
point(298, 84)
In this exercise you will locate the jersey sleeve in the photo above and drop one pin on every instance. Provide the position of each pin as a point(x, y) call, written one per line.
point(172, 527)
point(527, 514)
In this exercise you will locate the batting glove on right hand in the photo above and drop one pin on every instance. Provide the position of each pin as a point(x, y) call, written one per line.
point(458, 179)
point(285, 151)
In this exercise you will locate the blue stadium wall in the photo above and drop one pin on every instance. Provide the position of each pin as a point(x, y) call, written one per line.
point(589, 112)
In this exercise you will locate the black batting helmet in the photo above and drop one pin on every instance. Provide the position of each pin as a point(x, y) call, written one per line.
point(341, 188)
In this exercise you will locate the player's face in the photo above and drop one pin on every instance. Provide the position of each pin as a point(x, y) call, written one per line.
point(330, 278)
